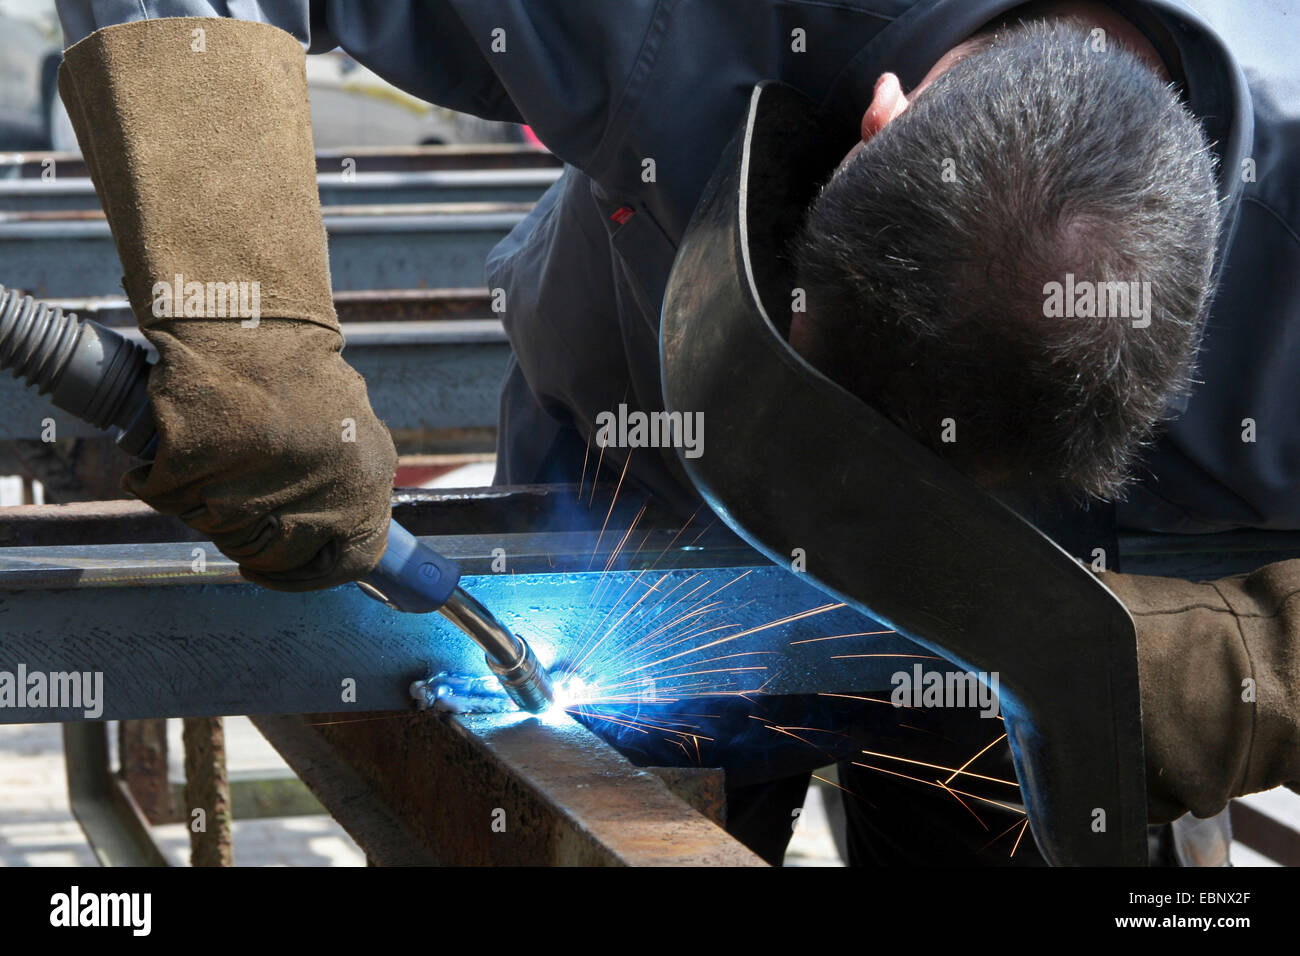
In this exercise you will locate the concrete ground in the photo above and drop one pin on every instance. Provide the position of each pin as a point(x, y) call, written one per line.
point(37, 828)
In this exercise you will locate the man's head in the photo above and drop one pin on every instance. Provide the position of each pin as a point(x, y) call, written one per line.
point(947, 261)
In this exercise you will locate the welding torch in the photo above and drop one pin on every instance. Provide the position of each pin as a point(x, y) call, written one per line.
point(101, 377)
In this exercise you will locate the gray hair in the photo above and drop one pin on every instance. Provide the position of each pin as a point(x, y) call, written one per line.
point(927, 260)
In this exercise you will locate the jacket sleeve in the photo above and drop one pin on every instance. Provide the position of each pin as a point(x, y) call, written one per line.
point(80, 18)
point(571, 69)
point(1219, 665)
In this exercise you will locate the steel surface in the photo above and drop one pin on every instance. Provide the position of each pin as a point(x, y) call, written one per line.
point(173, 641)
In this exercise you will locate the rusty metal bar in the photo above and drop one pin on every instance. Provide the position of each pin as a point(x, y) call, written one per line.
point(207, 792)
point(142, 755)
point(703, 788)
point(416, 788)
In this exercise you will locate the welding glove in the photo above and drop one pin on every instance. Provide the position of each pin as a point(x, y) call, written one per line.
point(198, 138)
point(1219, 665)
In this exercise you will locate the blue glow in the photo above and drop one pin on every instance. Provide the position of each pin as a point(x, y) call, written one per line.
point(515, 717)
point(668, 663)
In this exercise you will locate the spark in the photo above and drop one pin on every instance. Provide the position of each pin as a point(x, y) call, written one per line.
point(618, 549)
point(836, 637)
point(680, 532)
point(1014, 824)
point(627, 461)
point(935, 783)
point(645, 595)
point(753, 630)
point(666, 631)
point(874, 700)
point(953, 794)
point(665, 608)
point(976, 757)
point(715, 670)
point(935, 766)
point(782, 730)
point(357, 720)
point(613, 720)
point(720, 589)
point(615, 605)
point(724, 657)
point(845, 789)
point(1023, 827)
point(585, 456)
point(595, 475)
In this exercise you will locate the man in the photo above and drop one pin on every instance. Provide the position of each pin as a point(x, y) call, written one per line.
point(195, 132)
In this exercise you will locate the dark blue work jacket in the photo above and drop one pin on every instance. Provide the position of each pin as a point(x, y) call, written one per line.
point(609, 85)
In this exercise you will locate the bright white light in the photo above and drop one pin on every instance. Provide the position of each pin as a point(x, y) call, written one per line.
point(571, 691)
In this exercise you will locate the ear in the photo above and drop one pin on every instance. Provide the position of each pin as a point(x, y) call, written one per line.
point(887, 104)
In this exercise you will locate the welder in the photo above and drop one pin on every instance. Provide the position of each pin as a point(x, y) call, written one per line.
point(1103, 141)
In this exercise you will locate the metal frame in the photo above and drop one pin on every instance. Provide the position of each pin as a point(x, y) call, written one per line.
point(114, 824)
point(347, 756)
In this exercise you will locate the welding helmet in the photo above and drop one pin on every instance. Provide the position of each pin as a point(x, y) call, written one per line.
point(796, 464)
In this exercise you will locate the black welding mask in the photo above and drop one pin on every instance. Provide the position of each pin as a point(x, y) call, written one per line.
point(797, 465)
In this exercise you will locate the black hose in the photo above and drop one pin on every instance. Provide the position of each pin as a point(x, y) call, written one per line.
point(87, 370)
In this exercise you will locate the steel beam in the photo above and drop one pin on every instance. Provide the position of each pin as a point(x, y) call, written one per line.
point(171, 640)
point(336, 189)
point(438, 374)
point(517, 509)
point(218, 646)
point(524, 509)
point(382, 796)
point(174, 635)
point(503, 789)
point(367, 159)
point(351, 306)
point(114, 825)
point(370, 247)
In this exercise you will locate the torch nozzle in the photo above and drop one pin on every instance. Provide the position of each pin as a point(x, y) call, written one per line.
point(508, 654)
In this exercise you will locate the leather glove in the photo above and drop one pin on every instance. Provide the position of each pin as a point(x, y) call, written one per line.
point(1219, 665)
point(197, 135)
